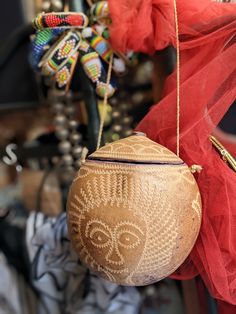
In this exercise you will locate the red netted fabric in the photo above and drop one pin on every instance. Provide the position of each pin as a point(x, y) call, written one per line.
point(208, 88)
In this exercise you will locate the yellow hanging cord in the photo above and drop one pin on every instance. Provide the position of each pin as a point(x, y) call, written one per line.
point(177, 80)
point(90, 3)
point(193, 168)
point(104, 105)
point(103, 115)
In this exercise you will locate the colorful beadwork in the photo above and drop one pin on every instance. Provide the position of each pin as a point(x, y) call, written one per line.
point(65, 50)
point(60, 20)
point(55, 52)
point(92, 66)
point(84, 47)
point(64, 75)
point(98, 43)
point(102, 30)
point(59, 54)
point(102, 88)
point(103, 48)
point(41, 42)
point(100, 10)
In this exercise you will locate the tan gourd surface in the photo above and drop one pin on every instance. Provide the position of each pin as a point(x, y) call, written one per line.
point(134, 223)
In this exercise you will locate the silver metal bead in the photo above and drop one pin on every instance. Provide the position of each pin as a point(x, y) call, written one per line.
point(65, 147)
point(124, 106)
point(117, 128)
point(137, 98)
point(77, 151)
point(127, 120)
point(67, 174)
point(60, 120)
point(128, 132)
point(68, 169)
point(70, 109)
point(58, 107)
point(57, 5)
point(113, 101)
point(76, 137)
point(67, 160)
point(46, 6)
point(116, 114)
point(73, 124)
point(62, 134)
point(55, 160)
point(77, 164)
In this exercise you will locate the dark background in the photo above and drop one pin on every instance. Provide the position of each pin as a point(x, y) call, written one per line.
point(18, 86)
point(17, 80)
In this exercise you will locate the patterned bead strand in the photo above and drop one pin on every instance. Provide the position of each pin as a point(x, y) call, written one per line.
point(62, 132)
point(66, 132)
point(75, 136)
point(52, 5)
point(122, 121)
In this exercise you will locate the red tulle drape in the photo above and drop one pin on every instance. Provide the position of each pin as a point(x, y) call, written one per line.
point(208, 88)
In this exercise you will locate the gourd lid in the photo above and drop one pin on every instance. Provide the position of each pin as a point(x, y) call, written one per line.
point(137, 148)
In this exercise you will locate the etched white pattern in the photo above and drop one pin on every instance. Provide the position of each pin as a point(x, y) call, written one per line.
point(137, 149)
point(146, 197)
point(196, 205)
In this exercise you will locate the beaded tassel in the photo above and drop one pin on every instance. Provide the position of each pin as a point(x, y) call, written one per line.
point(94, 69)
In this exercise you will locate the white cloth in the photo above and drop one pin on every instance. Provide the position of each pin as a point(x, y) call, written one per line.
point(59, 277)
point(15, 295)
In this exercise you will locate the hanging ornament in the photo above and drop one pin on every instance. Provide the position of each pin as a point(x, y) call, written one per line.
point(134, 211)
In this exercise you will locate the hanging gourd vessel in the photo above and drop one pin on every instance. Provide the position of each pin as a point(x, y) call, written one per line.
point(134, 211)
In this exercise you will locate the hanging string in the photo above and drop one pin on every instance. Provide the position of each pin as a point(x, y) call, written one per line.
point(177, 80)
point(90, 3)
point(103, 114)
point(194, 168)
point(104, 105)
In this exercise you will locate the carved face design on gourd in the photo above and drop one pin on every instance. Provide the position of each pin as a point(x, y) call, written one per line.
point(134, 223)
point(115, 235)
